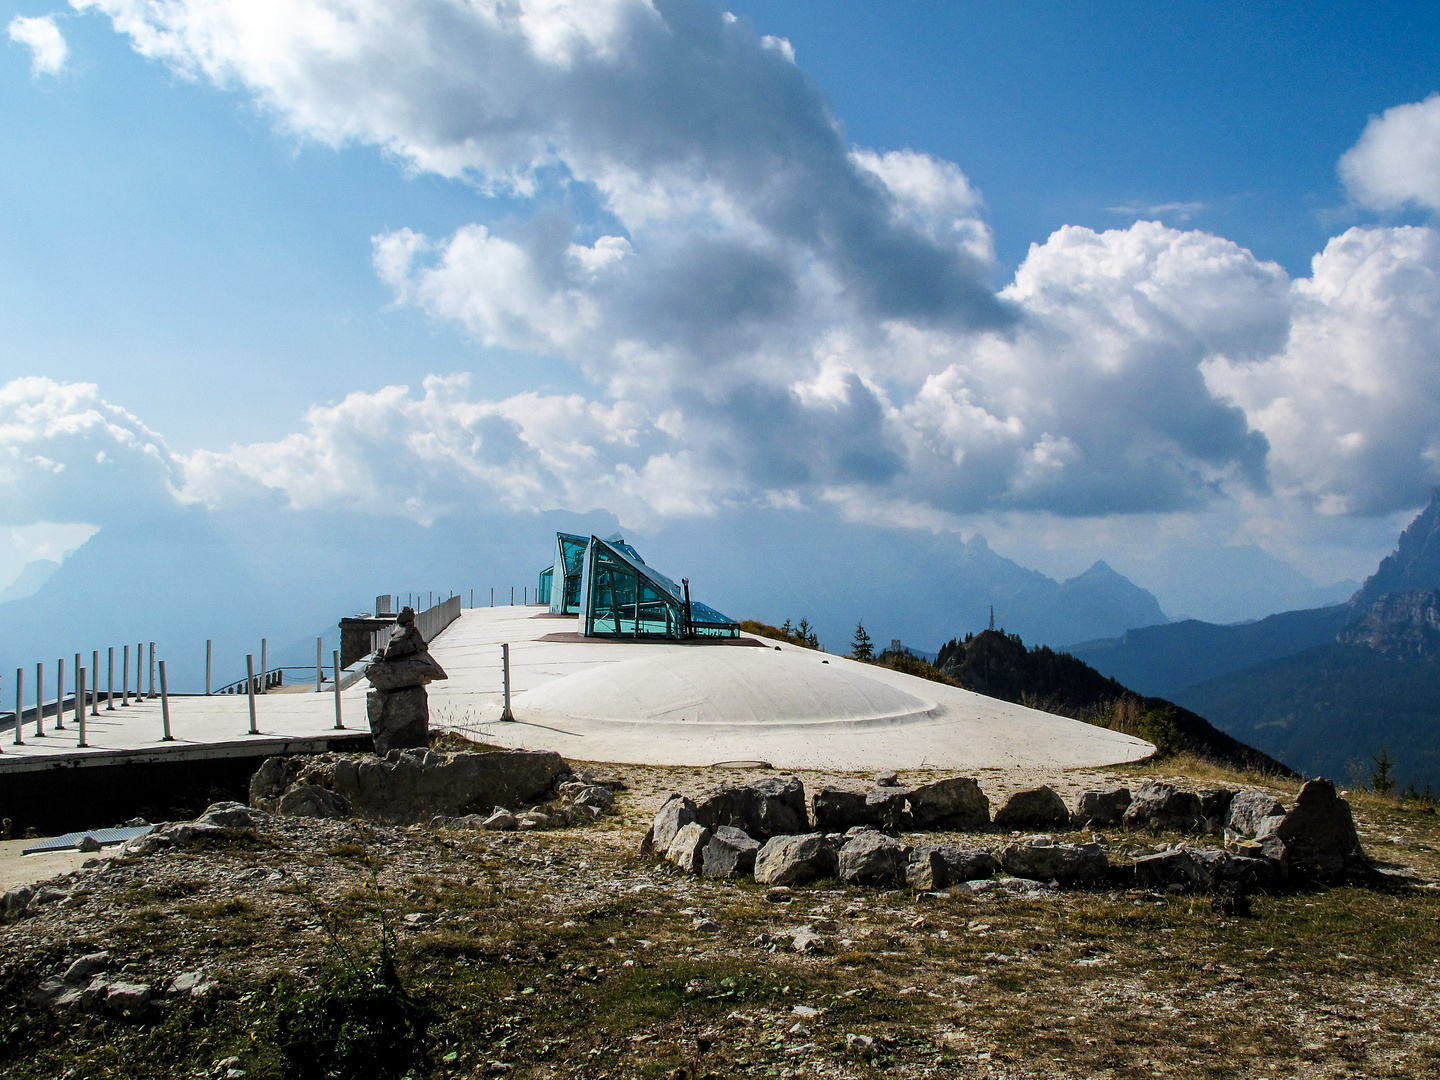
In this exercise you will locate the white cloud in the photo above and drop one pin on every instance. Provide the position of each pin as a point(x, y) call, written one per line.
point(765, 308)
point(1397, 160)
point(48, 51)
point(68, 455)
point(1351, 404)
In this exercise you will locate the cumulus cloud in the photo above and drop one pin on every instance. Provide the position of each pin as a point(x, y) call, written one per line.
point(1397, 160)
point(68, 455)
point(770, 313)
point(48, 51)
point(1350, 404)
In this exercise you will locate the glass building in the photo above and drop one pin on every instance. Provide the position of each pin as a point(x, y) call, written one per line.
point(617, 595)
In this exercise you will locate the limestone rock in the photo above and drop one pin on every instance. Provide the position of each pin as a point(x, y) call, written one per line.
point(729, 854)
point(227, 815)
point(1069, 864)
point(1164, 808)
point(953, 803)
point(886, 808)
point(500, 821)
point(770, 806)
point(836, 810)
point(412, 786)
point(794, 860)
point(1318, 834)
point(687, 849)
point(406, 673)
point(86, 966)
point(1100, 807)
point(938, 866)
point(1232, 872)
point(1173, 870)
point(1248, 811)
point(1038, 807)
point(399, 719)
point(871, 858)
point(127, 998)
point(310, 800)
point(1215, 807)
point(674, 815)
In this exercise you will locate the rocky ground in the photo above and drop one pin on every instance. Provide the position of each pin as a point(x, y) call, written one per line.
point(564, 953)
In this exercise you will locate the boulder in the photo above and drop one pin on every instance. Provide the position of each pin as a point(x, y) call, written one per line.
point(1317, 836)
point(939, 866)
point(954, 803)
point(794, 860)
point(1215, 807)
point(1249, 809)
point(1069, 864)
point(676, 812)
point(1100, 807)
point(409, 787)
point(500, 821)
point(770, 806)
point(1173, 870)
point(836, 810)
point(127, 998)
point(227, 815)
point(871, 858)
point(311, 800)
point(399, 719)
point(687, 849)
point(1037, 807)
point(85, 966)
point(886, 808)
point(1232, 872)
point(1164, 808)
point(729, 854)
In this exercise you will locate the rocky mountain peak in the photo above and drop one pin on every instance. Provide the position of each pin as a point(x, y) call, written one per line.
point(1399, 624)
point(1414, 564)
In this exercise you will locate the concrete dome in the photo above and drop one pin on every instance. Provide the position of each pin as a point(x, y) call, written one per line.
point(720, 685)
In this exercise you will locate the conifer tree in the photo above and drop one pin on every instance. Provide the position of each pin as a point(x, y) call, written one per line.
point(860, 646)
point(803, 634)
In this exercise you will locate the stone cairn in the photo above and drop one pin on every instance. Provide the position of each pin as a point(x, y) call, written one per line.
point(398, 706)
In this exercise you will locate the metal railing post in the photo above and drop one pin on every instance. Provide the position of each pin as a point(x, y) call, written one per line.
point(39, 701)
point(250, 689)
point(60, 694)
point(78, 695)
point(209, 654)
point(139, 671)
point(95, 681)
point(165, 705)
point(80, 710)
point(319, 665)
point(264, 645)
point(335, 657)
point(125, 679)
point(152, 670)
point(505, 668)
point(110, 682)
point(19, 704)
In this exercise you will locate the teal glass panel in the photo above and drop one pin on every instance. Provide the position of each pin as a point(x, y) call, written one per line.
point(542, 591)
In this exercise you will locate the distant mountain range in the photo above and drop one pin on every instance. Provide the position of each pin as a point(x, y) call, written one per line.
point(1323, 689)
point(31, 577)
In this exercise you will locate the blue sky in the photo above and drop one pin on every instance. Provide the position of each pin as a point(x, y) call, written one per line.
point(674, 292)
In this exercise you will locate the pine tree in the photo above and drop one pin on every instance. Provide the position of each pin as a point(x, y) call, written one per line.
point(860, 646)
point(1382, 776)
point(788, 631)
point(803, 634)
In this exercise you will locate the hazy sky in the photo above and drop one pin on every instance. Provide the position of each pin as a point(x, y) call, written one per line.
point(1095, 280)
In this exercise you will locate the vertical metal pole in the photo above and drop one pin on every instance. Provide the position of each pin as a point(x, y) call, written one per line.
point(152, 669)
point(512, 595)
point(39, 701)
point(492, 595)
point(505, 668)
point(263, 646)
point(139, 667)
point(335, 657)
point(19, 704)
point(319, 665)
point(80, 711)
point(472, 599)
point(125, 680)
point(60, 695)
point(165, 704)
point(209, 654)
point(95, 682)
point(250, 689)
point(110, 683)
point(525, 596)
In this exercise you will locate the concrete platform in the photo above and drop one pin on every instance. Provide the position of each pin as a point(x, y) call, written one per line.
point(644, 703)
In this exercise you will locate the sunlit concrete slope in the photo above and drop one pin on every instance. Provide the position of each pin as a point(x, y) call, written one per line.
point(692, 704)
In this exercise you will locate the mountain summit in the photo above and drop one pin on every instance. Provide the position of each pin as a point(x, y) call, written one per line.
point(1414, 564)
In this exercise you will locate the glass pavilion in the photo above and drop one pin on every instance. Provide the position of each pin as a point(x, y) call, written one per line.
point(608, 585)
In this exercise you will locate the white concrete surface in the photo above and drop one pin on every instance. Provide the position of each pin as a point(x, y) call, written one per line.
point(692, 704)
point(644, 703)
